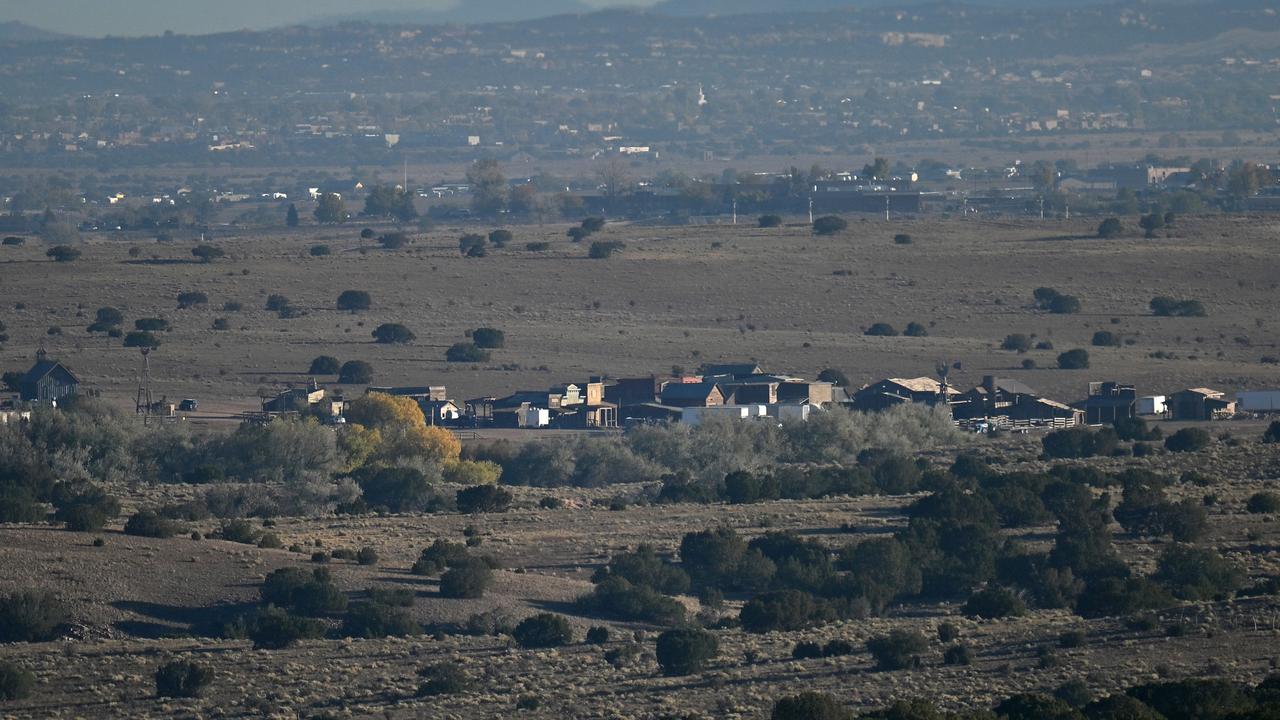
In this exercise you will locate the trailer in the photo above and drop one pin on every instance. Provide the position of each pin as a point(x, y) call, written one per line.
point(1261, 401)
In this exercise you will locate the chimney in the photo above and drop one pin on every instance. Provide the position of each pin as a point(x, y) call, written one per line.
point(989, 383)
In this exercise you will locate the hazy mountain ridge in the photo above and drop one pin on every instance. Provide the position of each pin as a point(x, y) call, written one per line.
point(18, 32)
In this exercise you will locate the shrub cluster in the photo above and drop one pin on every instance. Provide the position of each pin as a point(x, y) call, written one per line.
point(1172, 307)
point(31, 616)
point(16, 681)
point(685, 651)
point(544, 630)
point(182, 679)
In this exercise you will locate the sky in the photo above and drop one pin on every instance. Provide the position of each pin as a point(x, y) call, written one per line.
point(151, 17)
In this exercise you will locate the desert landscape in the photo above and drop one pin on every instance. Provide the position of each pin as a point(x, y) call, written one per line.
point(181, 587)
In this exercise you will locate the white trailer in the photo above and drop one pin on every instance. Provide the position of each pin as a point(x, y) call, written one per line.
point(1258, 401)
point(695, 416)
point(1153, 405)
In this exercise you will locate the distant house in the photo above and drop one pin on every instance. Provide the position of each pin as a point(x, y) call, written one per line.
point(1200, 404)
point(295, 399)
point(1012, 402)
point(899, 391)
point(625, 392)
point(763, 391)
point(814, 392)
point(1108, 402)
point(588, 417)
point(48, 381)
point(703, 394)
point(440, 412)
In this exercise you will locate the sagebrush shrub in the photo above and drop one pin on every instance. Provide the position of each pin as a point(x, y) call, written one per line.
point(182, 679)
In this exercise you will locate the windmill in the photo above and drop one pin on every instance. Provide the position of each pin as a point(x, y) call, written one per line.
point(943, 370)
point(144, 403)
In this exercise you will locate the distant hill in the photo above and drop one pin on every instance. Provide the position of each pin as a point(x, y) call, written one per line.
point(702, 8)
point(466, 13)
point(16, 32)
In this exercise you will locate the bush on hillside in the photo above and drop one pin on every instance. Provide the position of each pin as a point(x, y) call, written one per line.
point(1188, 440)
point(899, 650)
point(544, 630)
point(353, 300)
point(466, 352)
point(311, 593)
point(182, 679)
point(809, 706)
point(355, 372)
point(685, 651)
point(16, 681)
point(994, 602)
point(272, 628)
point(829, 225)
point(324, 365)
point(31, 616)
point(488, 338)
point(484, 499)
point(442, 679)
point(378, 620)
point(149, 523)
point(466, 580)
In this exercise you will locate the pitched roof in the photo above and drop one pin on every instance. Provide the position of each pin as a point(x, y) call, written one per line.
point(688, 390)
point(44, 367)
point(734, 369)
point(922, 384)
point(1207, 392)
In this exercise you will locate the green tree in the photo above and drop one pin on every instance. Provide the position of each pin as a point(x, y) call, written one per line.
point(355, 372)
point(354, 300)
point(829, 225)
point(394, 333)
point(685, 651)
point(488, 187)
point(182, 679)
point(63, 253)
point(330, 209)
point(291, 217)
point(390, 201)
point(489, 338)
point(1110, 228)
point(1077, 359)
point(207, 253)
point(809, 706)
point(1151, 223)
point(544, 630)
point(878, 169)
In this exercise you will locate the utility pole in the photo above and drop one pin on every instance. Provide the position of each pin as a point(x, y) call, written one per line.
point(735, 211)
point(1068, 210)
point(886, 208)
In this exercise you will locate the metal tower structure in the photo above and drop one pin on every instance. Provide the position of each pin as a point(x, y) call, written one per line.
point(145, 404)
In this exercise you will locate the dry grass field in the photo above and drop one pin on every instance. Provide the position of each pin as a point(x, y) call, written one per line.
point(675, 297)
point(133, 599)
